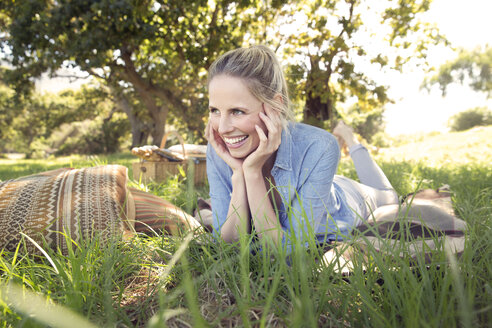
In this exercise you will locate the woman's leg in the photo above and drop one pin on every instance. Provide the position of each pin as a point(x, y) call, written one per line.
point(372, 178)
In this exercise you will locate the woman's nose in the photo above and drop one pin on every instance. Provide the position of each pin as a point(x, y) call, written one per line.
point(224, 125)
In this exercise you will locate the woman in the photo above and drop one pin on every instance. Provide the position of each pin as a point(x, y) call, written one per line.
point(274, 176)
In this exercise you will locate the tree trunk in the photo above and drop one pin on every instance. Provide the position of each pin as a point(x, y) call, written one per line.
point(158, 125)
point(148, 93)
point(139, 129)
point(317, 109)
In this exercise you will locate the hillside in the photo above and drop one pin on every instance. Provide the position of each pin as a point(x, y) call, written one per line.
point(471, 146)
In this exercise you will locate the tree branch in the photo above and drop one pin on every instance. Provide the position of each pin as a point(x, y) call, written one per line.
point(72, 77)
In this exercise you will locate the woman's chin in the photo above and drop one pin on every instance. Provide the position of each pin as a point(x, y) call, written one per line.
point(240, 154)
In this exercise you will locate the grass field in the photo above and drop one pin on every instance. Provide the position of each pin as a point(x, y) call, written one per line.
point(178, 282)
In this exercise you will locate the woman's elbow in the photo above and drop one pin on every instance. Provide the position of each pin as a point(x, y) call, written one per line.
point(227, 235)
point(273, 238)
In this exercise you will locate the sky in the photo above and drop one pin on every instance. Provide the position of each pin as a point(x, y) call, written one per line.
point(467, 24)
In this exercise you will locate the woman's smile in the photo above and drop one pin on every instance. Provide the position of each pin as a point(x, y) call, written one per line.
point(235, 140)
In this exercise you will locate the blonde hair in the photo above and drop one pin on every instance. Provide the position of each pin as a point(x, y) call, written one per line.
point(261, 71)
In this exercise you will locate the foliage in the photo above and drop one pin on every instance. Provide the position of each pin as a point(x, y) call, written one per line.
point(33, 122)
point(153, 55)
point(470, 118)
point(98, 138)
point(157, 50)
point(472, 67)
point(330, 51)
point(39, 115)
point(364, 121)
point(7, 113)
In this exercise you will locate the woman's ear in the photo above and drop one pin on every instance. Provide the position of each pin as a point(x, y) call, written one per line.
point(278, 98)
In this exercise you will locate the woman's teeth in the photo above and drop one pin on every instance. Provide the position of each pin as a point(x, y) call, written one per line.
point(233, 141)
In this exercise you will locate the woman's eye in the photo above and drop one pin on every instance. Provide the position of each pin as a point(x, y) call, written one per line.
point(237, 112)
point(214, 111)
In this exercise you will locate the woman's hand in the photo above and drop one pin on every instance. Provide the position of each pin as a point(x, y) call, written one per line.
point(220, 148)
point(268, 144)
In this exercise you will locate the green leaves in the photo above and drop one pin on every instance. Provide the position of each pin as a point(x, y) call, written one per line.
point(157, 51)
point(471, 67)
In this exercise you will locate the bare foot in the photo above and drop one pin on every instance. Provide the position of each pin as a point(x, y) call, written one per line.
point(344, 133)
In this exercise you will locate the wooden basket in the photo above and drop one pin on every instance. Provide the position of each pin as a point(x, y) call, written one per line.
point(160, 171)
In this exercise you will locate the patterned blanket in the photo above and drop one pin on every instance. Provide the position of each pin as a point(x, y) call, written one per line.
point(418, 229)
point(77, 202)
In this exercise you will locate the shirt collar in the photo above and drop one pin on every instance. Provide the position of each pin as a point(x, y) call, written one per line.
point(283, 158)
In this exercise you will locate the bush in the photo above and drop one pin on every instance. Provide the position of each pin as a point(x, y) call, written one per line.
point(101, 136)
point(366, 123)
point(381, 140)
point(470, 118)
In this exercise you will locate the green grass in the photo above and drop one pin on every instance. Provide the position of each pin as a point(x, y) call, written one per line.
point(443, 149)
point(10, 169)
point(158, 281)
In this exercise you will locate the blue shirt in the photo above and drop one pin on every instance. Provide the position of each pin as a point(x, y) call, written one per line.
point(304, 169)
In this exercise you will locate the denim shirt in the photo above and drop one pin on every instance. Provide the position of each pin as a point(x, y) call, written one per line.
point(304, 169)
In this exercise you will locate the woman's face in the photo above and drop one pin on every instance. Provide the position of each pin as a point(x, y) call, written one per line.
point(234, 112)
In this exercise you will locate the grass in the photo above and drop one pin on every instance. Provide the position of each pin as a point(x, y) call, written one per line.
point(443, 149)
point(177, 282)
point(11, 169)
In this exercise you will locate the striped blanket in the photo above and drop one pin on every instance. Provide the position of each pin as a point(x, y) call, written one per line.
point(77, 202)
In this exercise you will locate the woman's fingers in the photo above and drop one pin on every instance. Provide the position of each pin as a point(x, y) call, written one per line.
point(272, 121)
point(211, 137)
point(272, 114)
point(217, 141)
point(261, 134)
point(269, 121)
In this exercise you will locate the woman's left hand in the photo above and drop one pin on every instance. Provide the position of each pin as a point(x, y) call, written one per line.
point(268, 144)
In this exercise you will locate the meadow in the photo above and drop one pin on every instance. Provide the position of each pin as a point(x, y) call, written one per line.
point(158, 281)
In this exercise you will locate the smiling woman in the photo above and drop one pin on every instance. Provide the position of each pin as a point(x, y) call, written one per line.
point(271, 176)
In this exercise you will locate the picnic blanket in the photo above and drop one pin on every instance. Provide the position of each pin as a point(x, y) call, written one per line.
point(78, 203)
point(422, 225)
point(50, 204)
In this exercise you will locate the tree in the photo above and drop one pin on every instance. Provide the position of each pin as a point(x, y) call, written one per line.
point(338, 41)
point(153, 54)
point(34, 118)
point(8, 110)
point(156, 51)
point(472, 67)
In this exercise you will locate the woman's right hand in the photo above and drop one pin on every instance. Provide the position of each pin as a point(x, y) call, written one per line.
point(221, 149)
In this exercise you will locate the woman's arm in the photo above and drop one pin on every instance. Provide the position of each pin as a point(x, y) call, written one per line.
point(238, 216)
point(264, 218)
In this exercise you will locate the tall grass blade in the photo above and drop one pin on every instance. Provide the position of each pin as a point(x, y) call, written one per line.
point(177, 255)
point(465, 309)
point(42, 251)
point(38, 308)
